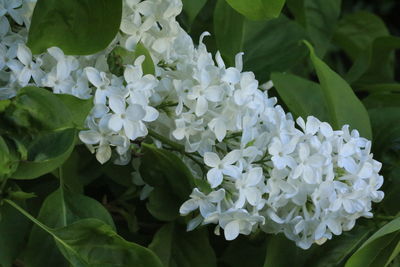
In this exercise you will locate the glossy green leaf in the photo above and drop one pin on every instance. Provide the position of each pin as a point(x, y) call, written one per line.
point(177, 247)
point(78, 27)
point(303, 97)
point(229, 30)
point(61, 208)
point(272, 46)
point(356, 31)
point(378, 249)
point(91, 242)
point(79, 108)
point(13, 229)
point(321, 17)
point(258, 9)
point(46, 153)
point(172, 180)
point(44, 110)
point(343, 105)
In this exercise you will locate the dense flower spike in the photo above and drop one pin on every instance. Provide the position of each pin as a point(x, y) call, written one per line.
point(265, 170)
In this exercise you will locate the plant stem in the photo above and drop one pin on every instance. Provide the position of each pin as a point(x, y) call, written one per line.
point(176, 147)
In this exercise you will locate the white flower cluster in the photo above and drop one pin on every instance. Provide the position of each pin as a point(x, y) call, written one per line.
point(265, 171)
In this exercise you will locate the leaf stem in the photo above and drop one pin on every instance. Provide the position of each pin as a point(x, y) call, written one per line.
point(38, 223)
point(176, 147)
point(30, 217)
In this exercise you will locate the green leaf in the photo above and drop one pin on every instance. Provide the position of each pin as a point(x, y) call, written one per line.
point(58, 210)
point(42, 107)
point(229, 30)
point(13, 229)
point(386, 129)
point(78, 27)
point(283, 252)
point(79, 108)
point(382, 100)
point(303, 97)
point(378, 249)
point(8, 160)
point(119, 57)
point(46, 153)
point(336, 251)
point(271, 46)
point(177, 247)
point(192, 8)
point(172, 180)
point(343, 105)
point(4, 104)
point(321, 17)
point(148, 64)
point(380, 64)
point(91, 242)
point(258, 9)
point(357, 31)
point(379, 87)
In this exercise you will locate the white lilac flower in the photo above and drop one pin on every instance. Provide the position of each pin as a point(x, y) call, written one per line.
point(220, 167)
point(306, 180)
point(105, 87)
point(10, 7)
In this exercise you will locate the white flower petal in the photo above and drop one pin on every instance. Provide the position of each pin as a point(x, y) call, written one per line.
point(214, 177)
point(211, 159)
point(24, 54)
point(231, 230)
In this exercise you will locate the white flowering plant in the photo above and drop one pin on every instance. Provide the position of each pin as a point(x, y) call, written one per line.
point(198, 133)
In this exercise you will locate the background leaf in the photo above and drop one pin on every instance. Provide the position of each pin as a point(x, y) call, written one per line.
point(258, 9)
point(13, 229)
point(303, 98)
point(169, 194)
point(229, 31)
point(343, 105)
point(321, 17)
point(58, 210)
point(91, 242)
point(177, 247)
point(78, 27)
point(378, 249)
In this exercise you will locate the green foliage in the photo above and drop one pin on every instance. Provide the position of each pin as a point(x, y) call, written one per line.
point(168, 194)
point(95, 216)
point(91, 242)
point(78, 27)
point(258, 9)
point(120, 57)
point(13, 229)
point(192, 8)
point(343, 105)
point(60, 209)
point(380, 249)
point(176, 247)
point(303, 97)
